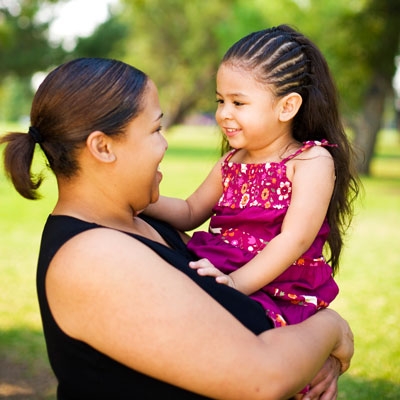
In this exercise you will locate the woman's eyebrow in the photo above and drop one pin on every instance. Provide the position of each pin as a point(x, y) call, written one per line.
point(159, 117)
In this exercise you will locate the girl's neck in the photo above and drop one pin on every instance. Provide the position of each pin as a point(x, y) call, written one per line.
point(273, 152)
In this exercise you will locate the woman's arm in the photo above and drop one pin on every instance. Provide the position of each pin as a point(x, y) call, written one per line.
point(313, 180)
point(148, 318)
point(188, 214)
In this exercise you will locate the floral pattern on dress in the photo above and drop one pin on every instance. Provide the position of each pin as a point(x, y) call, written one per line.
point(248, 215)
point(262, 185)
point(253, 185)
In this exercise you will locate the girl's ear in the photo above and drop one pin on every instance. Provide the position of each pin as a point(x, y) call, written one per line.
point(100, 146)
point(290, 105)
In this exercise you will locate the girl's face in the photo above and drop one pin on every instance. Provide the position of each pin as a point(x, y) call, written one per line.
point(140, 152)
point(247, 112)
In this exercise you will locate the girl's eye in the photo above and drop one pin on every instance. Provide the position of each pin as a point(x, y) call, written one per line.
point(159, 129)
point(237, 103)
point(220, 101)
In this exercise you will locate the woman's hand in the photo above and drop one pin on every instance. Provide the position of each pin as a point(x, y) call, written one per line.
point(324, 385)
point(344, 349)
point(205, 268)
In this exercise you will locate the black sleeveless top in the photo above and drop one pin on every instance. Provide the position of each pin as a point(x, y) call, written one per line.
point(85, 373)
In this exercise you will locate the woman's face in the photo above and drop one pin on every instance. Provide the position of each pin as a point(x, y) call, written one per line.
point(140, 152)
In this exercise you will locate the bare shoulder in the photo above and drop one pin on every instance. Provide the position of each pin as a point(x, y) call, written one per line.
point(93, 271)
point(315, 152)
point(98, 245)
point(315, 162)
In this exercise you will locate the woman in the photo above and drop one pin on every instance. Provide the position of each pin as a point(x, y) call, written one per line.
point(123, 314)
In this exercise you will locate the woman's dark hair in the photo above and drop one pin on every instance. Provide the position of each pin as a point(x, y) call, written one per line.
point(288, 62)
point(75, 99)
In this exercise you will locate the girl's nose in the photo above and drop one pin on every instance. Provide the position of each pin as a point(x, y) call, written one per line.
point(223, 112)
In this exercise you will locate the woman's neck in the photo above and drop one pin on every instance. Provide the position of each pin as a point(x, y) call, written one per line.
point(85, 201)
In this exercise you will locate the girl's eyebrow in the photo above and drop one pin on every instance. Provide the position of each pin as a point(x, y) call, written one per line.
point(238, 94)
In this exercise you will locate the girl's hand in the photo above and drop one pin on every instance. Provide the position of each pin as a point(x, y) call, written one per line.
point(205, 268)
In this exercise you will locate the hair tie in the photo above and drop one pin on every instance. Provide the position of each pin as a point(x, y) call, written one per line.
point(35, 134)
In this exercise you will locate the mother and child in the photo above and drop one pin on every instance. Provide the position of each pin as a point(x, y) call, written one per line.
point(124, 315)
point(283, 193)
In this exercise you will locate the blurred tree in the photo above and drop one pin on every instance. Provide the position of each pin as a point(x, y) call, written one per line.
point(24, 42)
point(180, 44)
point(24, 50)
point(107, 40)
point(176, 43)
point(360, 39)
point(372, 45)
point(15, 98)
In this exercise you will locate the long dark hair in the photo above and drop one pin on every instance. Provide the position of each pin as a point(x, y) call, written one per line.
point(289, 62)
point(75, 99)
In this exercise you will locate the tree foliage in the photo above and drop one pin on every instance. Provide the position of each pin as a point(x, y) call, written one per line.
point(180, 43)
point(24, 42)
point(107, 40)
point(26, 48)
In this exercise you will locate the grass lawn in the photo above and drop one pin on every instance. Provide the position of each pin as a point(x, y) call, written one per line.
point(369, 277)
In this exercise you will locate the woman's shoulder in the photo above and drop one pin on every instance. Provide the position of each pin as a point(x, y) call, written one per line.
point(94, 249)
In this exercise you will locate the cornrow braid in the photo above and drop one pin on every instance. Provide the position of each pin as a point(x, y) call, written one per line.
point(276, 56)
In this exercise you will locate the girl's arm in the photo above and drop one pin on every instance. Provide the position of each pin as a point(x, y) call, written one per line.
point(188, 214)
point(313, 179)
point(108, 297)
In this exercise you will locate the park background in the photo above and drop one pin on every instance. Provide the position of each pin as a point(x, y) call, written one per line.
point(179, 43)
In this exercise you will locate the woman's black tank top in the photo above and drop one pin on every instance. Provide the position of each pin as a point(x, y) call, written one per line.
point(83, 372)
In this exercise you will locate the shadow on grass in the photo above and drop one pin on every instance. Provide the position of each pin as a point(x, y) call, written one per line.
point(355, 388)
point(25, 372)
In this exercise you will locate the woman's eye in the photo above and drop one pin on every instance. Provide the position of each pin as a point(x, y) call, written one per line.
point(220, 101)
point(237, 103)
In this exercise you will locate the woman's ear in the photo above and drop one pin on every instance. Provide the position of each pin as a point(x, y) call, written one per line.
point(290, 105)
point(100, 146)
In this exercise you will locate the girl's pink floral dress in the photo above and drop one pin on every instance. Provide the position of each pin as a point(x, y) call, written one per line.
point(248, 215)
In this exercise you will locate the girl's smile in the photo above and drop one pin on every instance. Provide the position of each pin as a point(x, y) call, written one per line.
point(248, 113)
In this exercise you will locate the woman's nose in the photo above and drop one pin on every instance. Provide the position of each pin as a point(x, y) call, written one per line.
point(165, 141)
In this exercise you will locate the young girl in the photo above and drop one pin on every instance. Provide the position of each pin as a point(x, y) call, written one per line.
point(288, 182)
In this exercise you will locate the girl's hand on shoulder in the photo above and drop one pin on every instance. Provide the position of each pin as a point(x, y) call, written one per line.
point(205, 268)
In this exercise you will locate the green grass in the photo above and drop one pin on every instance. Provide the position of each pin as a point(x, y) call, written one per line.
point(369, 277)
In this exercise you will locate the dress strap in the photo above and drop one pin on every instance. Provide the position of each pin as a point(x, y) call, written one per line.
point(230, 155)
point(307, 145)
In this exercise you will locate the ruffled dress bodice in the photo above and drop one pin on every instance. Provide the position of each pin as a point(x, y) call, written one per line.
point(248, 215)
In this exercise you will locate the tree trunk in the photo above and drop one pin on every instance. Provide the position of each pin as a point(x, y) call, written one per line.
point(367, 125)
